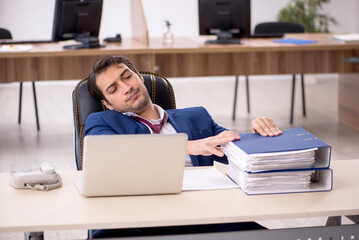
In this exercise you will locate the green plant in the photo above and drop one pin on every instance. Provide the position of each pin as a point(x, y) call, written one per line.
point(308, 13)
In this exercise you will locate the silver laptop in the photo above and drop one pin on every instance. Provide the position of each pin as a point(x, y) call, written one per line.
point(139, 164)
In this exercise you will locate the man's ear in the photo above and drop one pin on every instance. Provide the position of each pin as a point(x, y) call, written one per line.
point(107, 104)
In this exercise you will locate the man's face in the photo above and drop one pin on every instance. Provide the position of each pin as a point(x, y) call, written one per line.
point(123, 89)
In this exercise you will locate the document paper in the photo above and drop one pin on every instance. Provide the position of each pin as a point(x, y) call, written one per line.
point(15, 48)
point(206, 179)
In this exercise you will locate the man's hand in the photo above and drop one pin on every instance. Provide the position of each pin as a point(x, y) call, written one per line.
point(265, 127)
point(210, 146)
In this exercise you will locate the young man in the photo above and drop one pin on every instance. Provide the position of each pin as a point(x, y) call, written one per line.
point(115, 81)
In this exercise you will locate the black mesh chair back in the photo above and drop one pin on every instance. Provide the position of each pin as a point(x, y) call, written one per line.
point(5, 34)
point(278, 27)
point(158, 87)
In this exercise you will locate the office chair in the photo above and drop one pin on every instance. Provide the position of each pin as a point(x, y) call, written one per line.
point(274, 28)
point(158, 87)
point(5, 34)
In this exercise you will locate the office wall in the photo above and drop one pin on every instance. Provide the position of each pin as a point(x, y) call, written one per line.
point(346, 13)
point(27, 18)
point(32, 19)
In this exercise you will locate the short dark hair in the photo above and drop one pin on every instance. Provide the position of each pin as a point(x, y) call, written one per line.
point(101, 65)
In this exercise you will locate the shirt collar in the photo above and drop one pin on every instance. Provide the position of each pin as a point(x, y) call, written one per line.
point(160, 111)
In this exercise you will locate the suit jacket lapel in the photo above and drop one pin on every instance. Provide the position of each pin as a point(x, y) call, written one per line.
point(143, 127)
point(180, 125)
point(140, 127)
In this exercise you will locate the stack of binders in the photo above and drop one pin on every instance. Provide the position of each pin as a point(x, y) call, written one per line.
point(295, 161)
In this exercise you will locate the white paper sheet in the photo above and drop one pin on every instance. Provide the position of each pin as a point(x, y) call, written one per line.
point(15, 48)
point(206, 179)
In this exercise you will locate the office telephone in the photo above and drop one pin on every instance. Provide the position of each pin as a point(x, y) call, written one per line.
point(45, 178)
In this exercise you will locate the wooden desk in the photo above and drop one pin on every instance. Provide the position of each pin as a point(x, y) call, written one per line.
point(188, 57)
point(50, 61)
point(65, 208)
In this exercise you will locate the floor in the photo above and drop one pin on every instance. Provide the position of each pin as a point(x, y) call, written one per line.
point(23, 147)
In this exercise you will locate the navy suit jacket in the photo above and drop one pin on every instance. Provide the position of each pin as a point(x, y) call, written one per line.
point(196, 122)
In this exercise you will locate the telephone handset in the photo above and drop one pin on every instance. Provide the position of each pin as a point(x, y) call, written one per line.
point(45, 178)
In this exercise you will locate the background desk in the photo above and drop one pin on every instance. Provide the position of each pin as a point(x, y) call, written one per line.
point(65, 208)
point(188, 57)
point(50, 61)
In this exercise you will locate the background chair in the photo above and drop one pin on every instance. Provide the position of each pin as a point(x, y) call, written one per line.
point(275, 28)
point(158, 87)
point(5, 34)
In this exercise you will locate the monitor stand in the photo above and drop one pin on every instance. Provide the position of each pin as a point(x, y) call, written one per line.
point(87, 42)
point(224, 38)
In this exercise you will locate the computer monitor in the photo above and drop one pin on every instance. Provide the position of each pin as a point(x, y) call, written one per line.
point(228, 19)
point(79, 20)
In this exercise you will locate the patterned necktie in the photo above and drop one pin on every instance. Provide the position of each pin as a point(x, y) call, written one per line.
point(156, 128)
